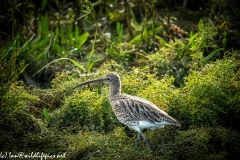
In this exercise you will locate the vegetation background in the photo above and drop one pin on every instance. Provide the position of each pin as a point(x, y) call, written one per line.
point(183, 55)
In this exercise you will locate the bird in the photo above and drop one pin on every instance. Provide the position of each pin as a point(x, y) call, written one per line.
point(135, 112)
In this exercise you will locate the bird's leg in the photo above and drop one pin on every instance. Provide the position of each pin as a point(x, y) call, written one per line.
point(137, 139)
point(145, 140)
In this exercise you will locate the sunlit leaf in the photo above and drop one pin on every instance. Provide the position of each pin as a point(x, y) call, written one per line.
point(77, 64)
point(46, 114)
point(83, 38)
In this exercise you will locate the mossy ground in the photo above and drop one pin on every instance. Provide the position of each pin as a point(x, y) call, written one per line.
point(83, 126)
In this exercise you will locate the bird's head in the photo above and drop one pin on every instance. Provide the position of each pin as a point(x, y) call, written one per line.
point(111, 78)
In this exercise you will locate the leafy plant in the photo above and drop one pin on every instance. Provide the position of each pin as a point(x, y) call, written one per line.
point(208, 98)
point(145, 35)
point(70, 39)
point(204, 41)
point(28, 47)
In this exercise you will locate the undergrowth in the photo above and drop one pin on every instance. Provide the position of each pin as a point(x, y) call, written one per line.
point(83, 126)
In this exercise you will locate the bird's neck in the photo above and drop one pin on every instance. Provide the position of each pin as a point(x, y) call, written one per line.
point(114, 90)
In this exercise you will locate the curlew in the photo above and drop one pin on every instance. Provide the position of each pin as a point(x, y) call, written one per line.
point(135, 112)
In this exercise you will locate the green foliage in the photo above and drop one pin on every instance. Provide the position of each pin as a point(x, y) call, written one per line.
point(226, 19)
point(9, 71)
point(16, 117)
point(119, 52)
point(192, 144)
point(204, 40)
point(47, 44)
point(56, 60)
point(81, 123)
point(143, 84)
point(46, 114)
point(44, 26)
point(64, 40)
point(209, 97)
point(80, 112)
point(205, 59)
point(167, 62)
point(24, 50)
point(90, 62)
point(177, 57)
point(119, 29)
point(207, 143)
point(147, 33)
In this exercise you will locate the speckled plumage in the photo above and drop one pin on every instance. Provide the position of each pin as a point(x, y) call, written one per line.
point(135, 112)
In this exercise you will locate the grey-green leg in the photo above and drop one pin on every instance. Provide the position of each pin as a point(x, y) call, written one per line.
point(137, 140)
point(145, 140)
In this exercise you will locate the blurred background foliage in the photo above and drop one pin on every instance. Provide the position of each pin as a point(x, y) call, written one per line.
point(181, 55)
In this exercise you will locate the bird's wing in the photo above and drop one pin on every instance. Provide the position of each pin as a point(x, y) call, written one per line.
point(133, 108)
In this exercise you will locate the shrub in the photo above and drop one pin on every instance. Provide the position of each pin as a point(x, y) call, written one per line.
point(15, 111)
point(207, 143)
point(211, 95)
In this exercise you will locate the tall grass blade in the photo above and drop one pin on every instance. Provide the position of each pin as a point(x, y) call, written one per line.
point(205, 59)
point(56, 60)
point(42, 43)
point(27, 44)
point(77, 64)
point(191, 40)
point(46, 51)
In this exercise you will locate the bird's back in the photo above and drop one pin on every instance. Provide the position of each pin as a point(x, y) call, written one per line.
point(133, 110)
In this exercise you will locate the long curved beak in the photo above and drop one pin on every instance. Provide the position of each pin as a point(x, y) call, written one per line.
point(99, 80)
